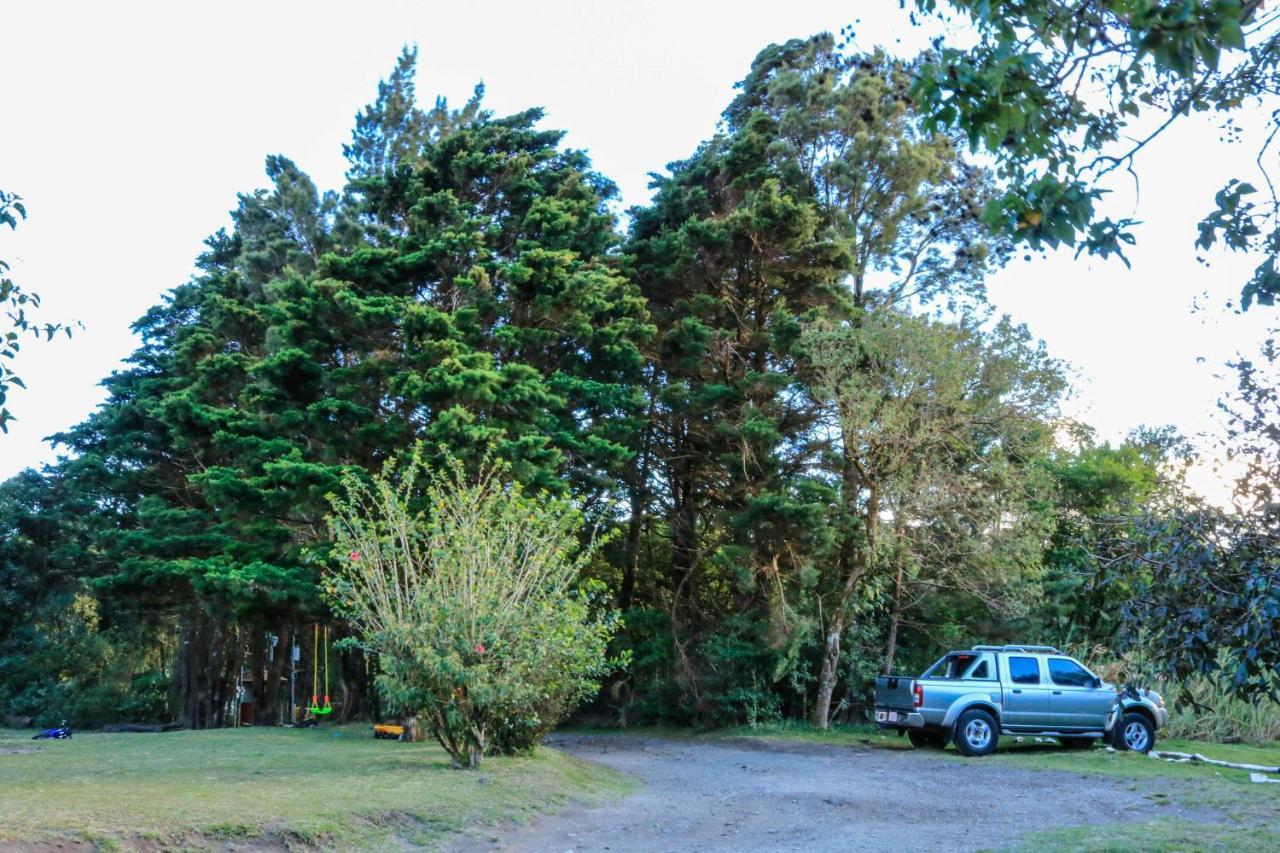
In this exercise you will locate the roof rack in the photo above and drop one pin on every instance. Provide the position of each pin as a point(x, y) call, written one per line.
point(1018, 648)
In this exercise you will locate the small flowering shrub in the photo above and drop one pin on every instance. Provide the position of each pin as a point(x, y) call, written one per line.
point(469, 591)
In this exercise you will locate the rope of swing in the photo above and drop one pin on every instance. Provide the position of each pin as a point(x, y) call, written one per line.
point(315, 666)
point(316, 707)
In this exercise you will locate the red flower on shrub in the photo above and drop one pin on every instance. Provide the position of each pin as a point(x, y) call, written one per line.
point(355, 556)
point(480, 648)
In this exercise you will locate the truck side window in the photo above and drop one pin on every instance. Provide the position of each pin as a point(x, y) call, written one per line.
point(1024, 671)
point(1069, 673)
point(981, 671)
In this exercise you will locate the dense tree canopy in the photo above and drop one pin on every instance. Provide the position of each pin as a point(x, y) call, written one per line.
point(803, 447)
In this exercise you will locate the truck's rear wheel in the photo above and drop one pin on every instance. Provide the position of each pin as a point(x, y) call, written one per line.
point(1134, 732)
point(976, 733)
point(921, 739)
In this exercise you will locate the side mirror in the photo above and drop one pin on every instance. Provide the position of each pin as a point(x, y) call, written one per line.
point(1095, 682)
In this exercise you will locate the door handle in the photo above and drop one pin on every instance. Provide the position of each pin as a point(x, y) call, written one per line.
point(1057, 693)
point(1017, 690)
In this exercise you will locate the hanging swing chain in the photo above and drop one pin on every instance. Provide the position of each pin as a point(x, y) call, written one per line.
point(315, 659)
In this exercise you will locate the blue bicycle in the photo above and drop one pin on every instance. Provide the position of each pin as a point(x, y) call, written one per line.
point(62, 732)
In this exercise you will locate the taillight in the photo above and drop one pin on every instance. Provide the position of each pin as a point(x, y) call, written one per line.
point(917, 693)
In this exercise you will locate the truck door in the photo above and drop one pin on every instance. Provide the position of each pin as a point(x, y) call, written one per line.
point(1077, 700)
point(1026, 695)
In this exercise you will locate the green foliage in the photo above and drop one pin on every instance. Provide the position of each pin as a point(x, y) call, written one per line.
point(937, 423)
point(62, 663)
point(1054, 91)
point(16, 303)
point(810, 449)
point(1206, 596)
point(462, 290)
point(899, 200)
point(473, 604)
point(1093, 484)
point(821, 195)
point(1201, 711)
point(63, 655)
point(1200, 586)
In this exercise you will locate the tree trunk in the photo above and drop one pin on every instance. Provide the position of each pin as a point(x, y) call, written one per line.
point(639, 494)
point(267, 713)
point(895, 613)
point(631, 553)
point(858, 567)
point(201, 671)
point(683, 579)
point(232, 653)
point(827, 680)
point(210, 678)
point(188, 655)
point(256, 661)
point(414, 730)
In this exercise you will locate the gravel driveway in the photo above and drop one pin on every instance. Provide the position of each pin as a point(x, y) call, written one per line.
point(749, 795)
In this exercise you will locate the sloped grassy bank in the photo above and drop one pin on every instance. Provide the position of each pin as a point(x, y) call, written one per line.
point(323, 788)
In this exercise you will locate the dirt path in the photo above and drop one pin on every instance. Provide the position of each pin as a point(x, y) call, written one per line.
point(748, 795)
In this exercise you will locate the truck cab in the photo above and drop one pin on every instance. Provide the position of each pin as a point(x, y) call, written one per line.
point(973, 696)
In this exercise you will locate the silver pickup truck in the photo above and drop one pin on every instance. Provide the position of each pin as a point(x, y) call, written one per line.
point(972, 697)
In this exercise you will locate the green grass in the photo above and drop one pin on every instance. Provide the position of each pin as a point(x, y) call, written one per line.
point(1166, 835)
point(1241, 815)
point(331, 787)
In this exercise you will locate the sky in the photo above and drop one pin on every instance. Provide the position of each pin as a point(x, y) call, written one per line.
point(129, 129)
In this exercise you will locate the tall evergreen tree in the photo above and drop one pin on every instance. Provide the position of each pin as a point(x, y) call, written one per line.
point(733, 256)
point(820, 199)
point(462, 291)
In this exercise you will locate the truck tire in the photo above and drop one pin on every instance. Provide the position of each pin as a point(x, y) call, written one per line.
point(921, 739)
point(1134, 732)
point(1077, 742)
point(976, 733)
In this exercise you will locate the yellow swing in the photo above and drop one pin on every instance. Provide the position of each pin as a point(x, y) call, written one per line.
point(317, 709)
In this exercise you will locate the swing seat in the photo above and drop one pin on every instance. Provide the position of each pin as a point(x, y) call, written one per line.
point(318, 710)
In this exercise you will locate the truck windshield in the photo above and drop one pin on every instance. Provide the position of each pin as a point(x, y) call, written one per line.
point(951, 666)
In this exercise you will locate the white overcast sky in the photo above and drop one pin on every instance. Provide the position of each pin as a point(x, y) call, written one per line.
point(129, 128)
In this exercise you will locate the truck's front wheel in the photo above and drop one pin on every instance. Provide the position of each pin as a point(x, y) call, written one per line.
point(1134, 732)
point(921, 739)
point(976, 733)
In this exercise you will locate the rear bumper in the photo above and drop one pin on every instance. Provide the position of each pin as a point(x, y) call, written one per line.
point(905, 719)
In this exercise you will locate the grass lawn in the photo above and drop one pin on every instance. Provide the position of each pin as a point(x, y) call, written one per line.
point(1250, 812)
point(1241, 815)
point(331, 787)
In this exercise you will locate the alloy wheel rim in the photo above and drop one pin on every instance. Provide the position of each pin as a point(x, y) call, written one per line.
point(977, 733)
point(1135, 736)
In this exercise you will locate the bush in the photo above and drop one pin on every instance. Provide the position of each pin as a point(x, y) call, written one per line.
point(61, 664)
point(1201, 710)
point(474, 606)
